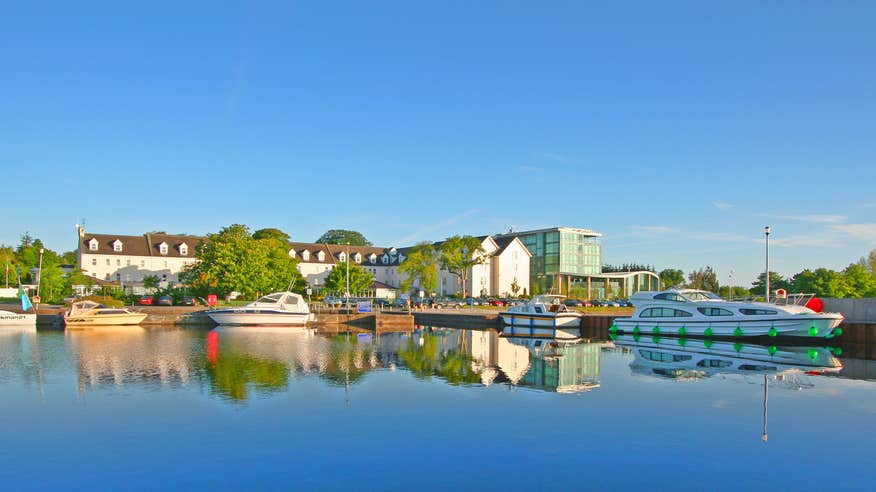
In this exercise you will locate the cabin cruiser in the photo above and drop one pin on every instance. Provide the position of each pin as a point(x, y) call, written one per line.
point(8, 318)
point(544, 315)
point(685, 312)
point(89, 313)
point(683, 359)
point(278, 308)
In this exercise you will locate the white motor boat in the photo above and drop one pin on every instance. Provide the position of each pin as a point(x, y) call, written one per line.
point(544, 315)
point(278, 308)
point(83, 314)
point(8, 318)
point(695, 312)
point(683, 359)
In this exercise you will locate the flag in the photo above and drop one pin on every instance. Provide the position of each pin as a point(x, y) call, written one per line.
point(25, 301)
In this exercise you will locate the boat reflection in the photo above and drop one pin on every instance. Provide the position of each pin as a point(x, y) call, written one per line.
point(683, 359)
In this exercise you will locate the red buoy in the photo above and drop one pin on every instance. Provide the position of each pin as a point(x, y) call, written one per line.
point(815, 304)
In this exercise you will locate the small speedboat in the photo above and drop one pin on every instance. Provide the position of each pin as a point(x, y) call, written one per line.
point(278, 308)
point(83, 314)
point(8, 318)
point(689, 312)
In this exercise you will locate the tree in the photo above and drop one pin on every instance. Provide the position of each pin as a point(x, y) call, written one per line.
point(151, 282)
point(230, 260)
point(361, 280)
point(459, 254)
point(821, 282)
point(758, 287)
point(282, 270)
point(671, 277)
point(271, 233)
point(869, 261)
point(343, 236)
point(703, 279)
point(421, 265)
point(860, 280)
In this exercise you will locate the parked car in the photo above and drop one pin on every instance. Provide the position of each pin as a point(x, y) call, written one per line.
point(572, 302)
point(164, 301)
point(382, 303)
point(496, 302)
point(332, 301)
point(187, 301)
point(145, 300)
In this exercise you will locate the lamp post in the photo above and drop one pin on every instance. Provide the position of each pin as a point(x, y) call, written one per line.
point(39, 278)
point(767, 231)
point(730, 286)
point(347, 277)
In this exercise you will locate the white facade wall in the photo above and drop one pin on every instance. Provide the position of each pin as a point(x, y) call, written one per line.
point(511, 264)
point(131, 268)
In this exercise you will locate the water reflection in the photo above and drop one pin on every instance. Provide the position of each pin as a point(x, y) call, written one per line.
point(694, 359)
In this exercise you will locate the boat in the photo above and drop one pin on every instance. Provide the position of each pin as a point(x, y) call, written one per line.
point(83, 314)
point(684, 359)
point(690, 312)
point(278, 308)
point(543, 315)
point(10, 319)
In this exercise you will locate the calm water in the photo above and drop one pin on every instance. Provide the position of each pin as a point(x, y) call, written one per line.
point(439, 408)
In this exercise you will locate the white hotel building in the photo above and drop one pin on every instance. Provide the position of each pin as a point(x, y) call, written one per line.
point(128, 259)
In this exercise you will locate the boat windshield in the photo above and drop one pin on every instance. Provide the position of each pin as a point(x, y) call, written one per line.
point(270, 299)
point(700, 295)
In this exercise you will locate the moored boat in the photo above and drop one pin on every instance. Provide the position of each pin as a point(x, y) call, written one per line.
point(8, 318)
point(83, 314)
point(689, 312)
point(278, 308)
point(544, 315)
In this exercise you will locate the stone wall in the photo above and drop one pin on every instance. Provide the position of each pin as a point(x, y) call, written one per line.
point(855, 310)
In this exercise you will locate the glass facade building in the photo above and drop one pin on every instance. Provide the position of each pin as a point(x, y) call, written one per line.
point(567, 260)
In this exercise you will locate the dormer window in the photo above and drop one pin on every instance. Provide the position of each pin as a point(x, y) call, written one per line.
point(184, 249)
point(162, 248)
point(291, 253)
point(305, 255)
point(342, 256)
point(117, 245)
point(358, 258)
point(401, 258)
point(92, 244)
point(320, 256)
point(392, 251)
point(385, 259)
point(372, 258)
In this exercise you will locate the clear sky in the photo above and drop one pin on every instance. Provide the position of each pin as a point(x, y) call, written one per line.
point(676, 129)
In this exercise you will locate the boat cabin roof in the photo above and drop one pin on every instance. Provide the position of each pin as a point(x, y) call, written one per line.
point(678, 295)
point(281, 298)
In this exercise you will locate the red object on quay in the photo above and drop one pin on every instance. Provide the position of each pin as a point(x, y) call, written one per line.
point(815, 304)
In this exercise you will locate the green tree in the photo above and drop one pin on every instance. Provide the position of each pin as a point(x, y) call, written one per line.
point(282, 271)
point(343, 236)
point(822, 282)
point(271, 233)
point(361, 280)
point(151, 282)
point(421, 265)
point(230, 260)
point(671, 277)
point(861, 281)
point(869, 261)
point(459, 254)
point(703, 279)
point(758, 287)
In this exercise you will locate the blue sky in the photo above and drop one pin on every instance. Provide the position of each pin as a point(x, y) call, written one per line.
point(676, 129)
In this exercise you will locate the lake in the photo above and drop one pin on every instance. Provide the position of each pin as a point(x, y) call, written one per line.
point(232, 408)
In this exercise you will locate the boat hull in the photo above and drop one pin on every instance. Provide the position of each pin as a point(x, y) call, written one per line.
point(17, 320)
point(238, 318)
point(809, 326)
point(82, 321)
point(561, 320)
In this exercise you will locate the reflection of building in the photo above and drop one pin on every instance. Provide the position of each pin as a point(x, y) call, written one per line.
point(567, 260)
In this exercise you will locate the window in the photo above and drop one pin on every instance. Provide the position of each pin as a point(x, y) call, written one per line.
point(372, 258)
point(342, 256)
point(714, 363)
point(664, 313)
point(305, 255)
point(92, 244)
point(320, 256)
point(129, 263)
point(142, 263)
point(713, 311)
point(668, 296)
point(385, 259)
point(117, 245)
point(358, 258)
point(292, 253)
point(162, 248)
point(756, 367)
point(757, 312)
point(107, 262)
point(657, 356)
point(183, 249)
point(94, 262)
point(118, 262)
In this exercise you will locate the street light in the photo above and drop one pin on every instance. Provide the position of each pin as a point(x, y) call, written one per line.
point(730, 286)
point(347, 257)
point(767, 231)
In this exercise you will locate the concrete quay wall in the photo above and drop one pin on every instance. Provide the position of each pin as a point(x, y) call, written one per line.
point(855, 310)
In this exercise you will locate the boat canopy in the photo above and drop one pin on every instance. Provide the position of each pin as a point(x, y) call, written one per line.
point(677, 295)
point(280, 298)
